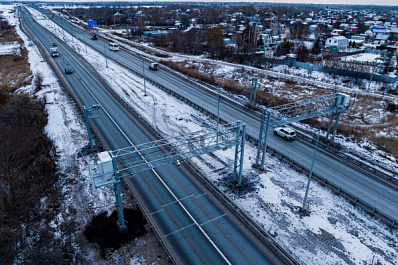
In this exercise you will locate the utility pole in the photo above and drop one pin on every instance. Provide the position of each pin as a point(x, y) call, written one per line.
point(312, 166)
point(90, 112)
point(143, 73)
point(106, 56)
point(218, 111)
point(84, 39)
point(253, 91)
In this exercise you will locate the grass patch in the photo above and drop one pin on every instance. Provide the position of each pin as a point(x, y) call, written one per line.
point(386, 144)
point(146, 50)
point(9, 33)
point(15, 71)
point(282, 95)
point(28, 173)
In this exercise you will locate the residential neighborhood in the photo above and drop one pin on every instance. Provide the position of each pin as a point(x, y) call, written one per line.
point(198, 132)
point(258, 32)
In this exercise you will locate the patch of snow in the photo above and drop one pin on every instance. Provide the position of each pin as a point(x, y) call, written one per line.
point(335, 233)
point(12, 48)
point(362, 57)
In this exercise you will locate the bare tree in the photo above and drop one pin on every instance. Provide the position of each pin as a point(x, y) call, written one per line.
point(215, 41)
point(38, 82)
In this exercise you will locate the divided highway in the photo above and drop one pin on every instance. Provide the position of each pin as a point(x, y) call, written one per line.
point(360, 183)
point(192, 222)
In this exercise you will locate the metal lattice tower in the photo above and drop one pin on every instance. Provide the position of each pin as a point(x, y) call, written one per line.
point(118, 164)
point(297, 111)
point(90, 112)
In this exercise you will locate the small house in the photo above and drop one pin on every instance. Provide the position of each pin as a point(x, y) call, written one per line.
point(339, 41)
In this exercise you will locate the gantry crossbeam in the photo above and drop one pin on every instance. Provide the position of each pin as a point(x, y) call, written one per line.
point(303, 109)
point(115, 165)
point(297, 111)
point(134, 159)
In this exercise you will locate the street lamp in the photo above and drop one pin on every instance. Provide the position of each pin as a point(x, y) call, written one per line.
point(218, 111)
point(373, 71)
point(106, 56)
point(143, 73)
point(84, 39)
point(312, 166)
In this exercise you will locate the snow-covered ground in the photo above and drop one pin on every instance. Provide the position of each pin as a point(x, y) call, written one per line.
point(363, 57)
point(335, 233)
point(12, 48)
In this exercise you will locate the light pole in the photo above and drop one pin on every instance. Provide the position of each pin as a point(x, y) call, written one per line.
point(90, 112)
point(371, 76)
point(84, 39)
point(106, 56)
point(143, 73)
point(218, 111)
point(312, 166)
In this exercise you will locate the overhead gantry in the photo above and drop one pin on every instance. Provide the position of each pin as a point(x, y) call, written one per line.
point(115, 165)
point(297, 111)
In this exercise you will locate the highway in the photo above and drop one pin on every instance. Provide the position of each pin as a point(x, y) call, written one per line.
point(192, 222)
point(359, 182)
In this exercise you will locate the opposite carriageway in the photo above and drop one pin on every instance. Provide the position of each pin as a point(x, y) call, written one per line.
point(190, 219)
point(360, 183)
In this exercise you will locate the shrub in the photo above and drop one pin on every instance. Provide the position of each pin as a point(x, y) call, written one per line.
point(27, 170)
point(38, 82)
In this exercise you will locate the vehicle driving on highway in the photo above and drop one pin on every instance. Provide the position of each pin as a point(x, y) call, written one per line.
point(68, 71)
point(113, 46)
point(54, 52)
point(154, 66)
point(285, 132)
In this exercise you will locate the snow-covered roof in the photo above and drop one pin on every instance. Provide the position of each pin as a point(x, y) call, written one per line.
point(339, 38)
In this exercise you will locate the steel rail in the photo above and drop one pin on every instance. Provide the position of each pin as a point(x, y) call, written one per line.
point(283, 255)
point(374, 173)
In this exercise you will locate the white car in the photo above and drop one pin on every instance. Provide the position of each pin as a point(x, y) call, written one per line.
point(285, 132)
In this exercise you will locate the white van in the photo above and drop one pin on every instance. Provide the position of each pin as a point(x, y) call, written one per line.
point(154, 66)
point(113, 46)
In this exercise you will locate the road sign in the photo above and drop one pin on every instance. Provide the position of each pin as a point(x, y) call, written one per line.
point(92, 24)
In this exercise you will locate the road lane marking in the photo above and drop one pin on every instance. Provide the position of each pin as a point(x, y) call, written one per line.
point(170, 203)
point(178, 230)
point(215, 218)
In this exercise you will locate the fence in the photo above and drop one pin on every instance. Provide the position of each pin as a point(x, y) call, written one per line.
point(343, 72)
point(334, 70)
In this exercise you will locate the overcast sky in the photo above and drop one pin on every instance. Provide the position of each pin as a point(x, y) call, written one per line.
point(345, 2)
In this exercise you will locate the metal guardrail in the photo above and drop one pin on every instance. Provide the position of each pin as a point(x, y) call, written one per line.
point(97, 134)
point(266, 237)
point(152, 226)
point(349, 196)
point(341, 191)
point(387, 179)
point(242, 215)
